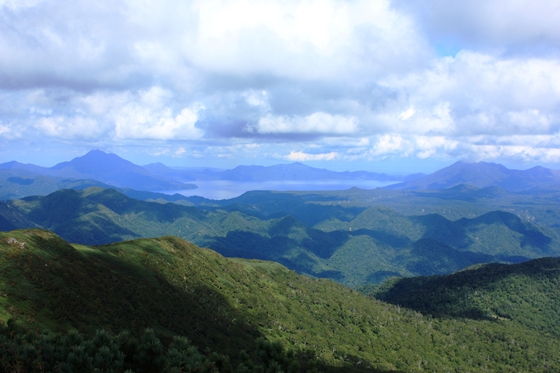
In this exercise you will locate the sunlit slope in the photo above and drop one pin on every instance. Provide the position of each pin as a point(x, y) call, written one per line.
point(178, 288)
point(526, 294)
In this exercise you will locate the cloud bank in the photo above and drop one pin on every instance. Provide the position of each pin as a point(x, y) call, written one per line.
point(329, 80)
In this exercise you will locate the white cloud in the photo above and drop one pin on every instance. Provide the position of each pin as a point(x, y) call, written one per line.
point(257, 98)
point(18, 4)
point(146, 115)
point(136, 122)
point(316, 123)
point(104, 43)
point(150, 114)
point(63, 127)
point(407, 114)
point(298, 156)
point(419, 146)
point(497, 24)
point(303, 39)
point(428, 146)
point(388, 144)
point(354, 79)
point(516, 153)
point(4, 130)
point(475, 93)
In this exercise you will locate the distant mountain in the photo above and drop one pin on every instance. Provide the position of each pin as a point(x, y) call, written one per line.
point(299, 171)
point(16, 184)
point(112, 169)
point(19, 183)
point(293, 171)
point(107, 168)
point(161, 170)
point(483, 175)
point(14, 165)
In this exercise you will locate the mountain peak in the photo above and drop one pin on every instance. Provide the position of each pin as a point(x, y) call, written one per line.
point(482, 175)
point(95, 152)
point(114, 170)
point(100, 155)
point(96, 160)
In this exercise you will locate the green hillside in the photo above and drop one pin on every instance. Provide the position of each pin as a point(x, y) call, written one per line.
point(524, 294)
point(225, 305)
point(350, 245)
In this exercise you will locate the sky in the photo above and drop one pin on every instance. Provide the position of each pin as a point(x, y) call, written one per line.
point(378, 85)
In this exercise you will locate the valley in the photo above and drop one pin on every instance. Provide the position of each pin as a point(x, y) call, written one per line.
point(307, 232)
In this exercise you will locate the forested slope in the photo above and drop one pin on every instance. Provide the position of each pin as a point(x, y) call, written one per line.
point(525, 294)
point(225, 304)
point(350, 245)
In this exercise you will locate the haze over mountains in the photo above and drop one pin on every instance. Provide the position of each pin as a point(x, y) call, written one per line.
point(97, 168)
point(107, 168)
point(483, 175)
point(294, 171)
point(111, 169)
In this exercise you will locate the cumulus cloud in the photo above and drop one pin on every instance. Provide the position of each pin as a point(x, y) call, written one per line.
point(4, 130)
point(68, 127)
point(146, 116)
point(303, 40)
point(316, 123)
point(355, 80)
point(302, 157)
point(474, 93)
point(515, 27)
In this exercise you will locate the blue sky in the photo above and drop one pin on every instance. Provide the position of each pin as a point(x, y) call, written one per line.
point(402, 85)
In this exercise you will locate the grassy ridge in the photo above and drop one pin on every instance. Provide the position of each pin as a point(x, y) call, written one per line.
point(226, 304)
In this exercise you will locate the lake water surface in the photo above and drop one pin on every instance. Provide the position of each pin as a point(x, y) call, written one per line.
point(226, 189)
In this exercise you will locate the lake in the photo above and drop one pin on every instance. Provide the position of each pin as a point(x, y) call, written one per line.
point(226, 189)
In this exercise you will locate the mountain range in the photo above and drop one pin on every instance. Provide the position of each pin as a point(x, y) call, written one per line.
point(483, 175)
point(109, 169)
point(294, 171)
point(99, 168)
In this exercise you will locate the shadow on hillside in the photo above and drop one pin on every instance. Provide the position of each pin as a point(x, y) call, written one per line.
point(249, 245)
point(103, 292)
point(452, 295)
point(397, 241)
point(353, 365)
point(59, 288)
point(353, 369)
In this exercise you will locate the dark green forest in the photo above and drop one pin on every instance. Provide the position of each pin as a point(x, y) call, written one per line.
point(75, 306)
point(525, 294)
